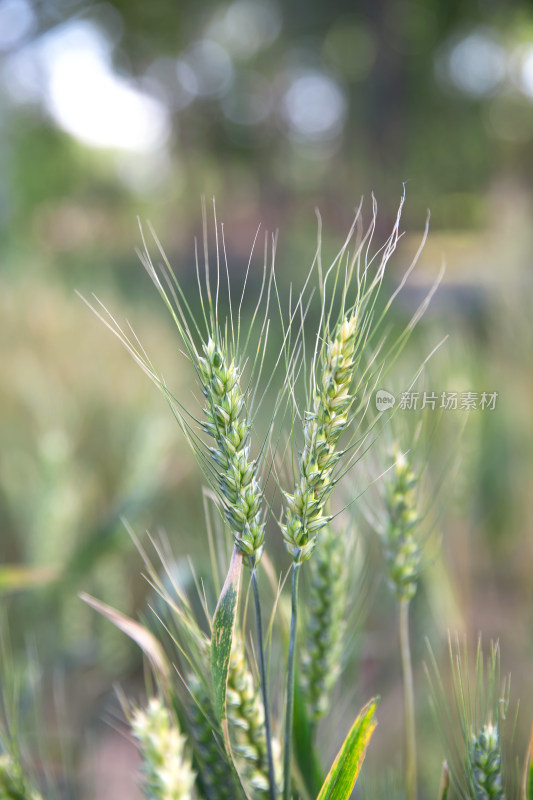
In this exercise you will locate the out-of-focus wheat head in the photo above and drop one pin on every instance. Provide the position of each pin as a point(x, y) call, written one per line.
point(326, 613)
point(400, 536)
point(476, 723)
point(214, 773)
point(485, 761)
point(168, 774)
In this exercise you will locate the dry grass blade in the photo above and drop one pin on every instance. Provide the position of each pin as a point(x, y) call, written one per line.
point(148, 643)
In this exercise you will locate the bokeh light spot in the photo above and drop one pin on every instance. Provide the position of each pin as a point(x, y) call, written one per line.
point(314, 107)
point(246, 26)
point(477, 64)
point(69, 71)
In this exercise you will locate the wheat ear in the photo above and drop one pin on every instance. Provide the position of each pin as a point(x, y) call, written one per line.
point(402, 555)
point(323, 425)
point(238, 485)
point(214, 772)
point(484, 761)
point(305, 512)
point(247, 724)
point(168, 774)
point(399, 537)
point(326, 603)
point(227, 425)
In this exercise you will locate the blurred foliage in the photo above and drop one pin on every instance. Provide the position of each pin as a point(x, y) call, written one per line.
point(266, 104)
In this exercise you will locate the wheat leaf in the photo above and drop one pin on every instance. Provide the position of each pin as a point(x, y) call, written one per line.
point(222, 633)
point(223, 629)
point(345, 769)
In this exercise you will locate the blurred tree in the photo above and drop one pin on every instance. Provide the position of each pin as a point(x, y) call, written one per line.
point(269, 101)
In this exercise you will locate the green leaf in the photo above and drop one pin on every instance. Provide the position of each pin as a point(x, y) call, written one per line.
point(223, 628)
point(222, 633)
point(304, 750)
point(345, 769)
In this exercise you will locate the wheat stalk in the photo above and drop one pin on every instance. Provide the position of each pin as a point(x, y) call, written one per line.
point(304, 514)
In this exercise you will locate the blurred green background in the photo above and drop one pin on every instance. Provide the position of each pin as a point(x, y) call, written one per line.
point(110, 111)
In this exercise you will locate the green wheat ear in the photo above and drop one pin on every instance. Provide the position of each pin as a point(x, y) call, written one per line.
point(167, 769)
point(326, 604)
point(214, 772)
point(218, 355)
point(323, 425)
point(247, 724)
point(246, 729)
point(245, 715)
point(348, 357)
point(400, 535)
point(484, 764)
point(474, 724)
point(236, 473)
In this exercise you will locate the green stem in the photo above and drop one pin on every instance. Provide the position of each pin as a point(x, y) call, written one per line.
point(264, 684)
point(287, 748)
point(409, 703)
